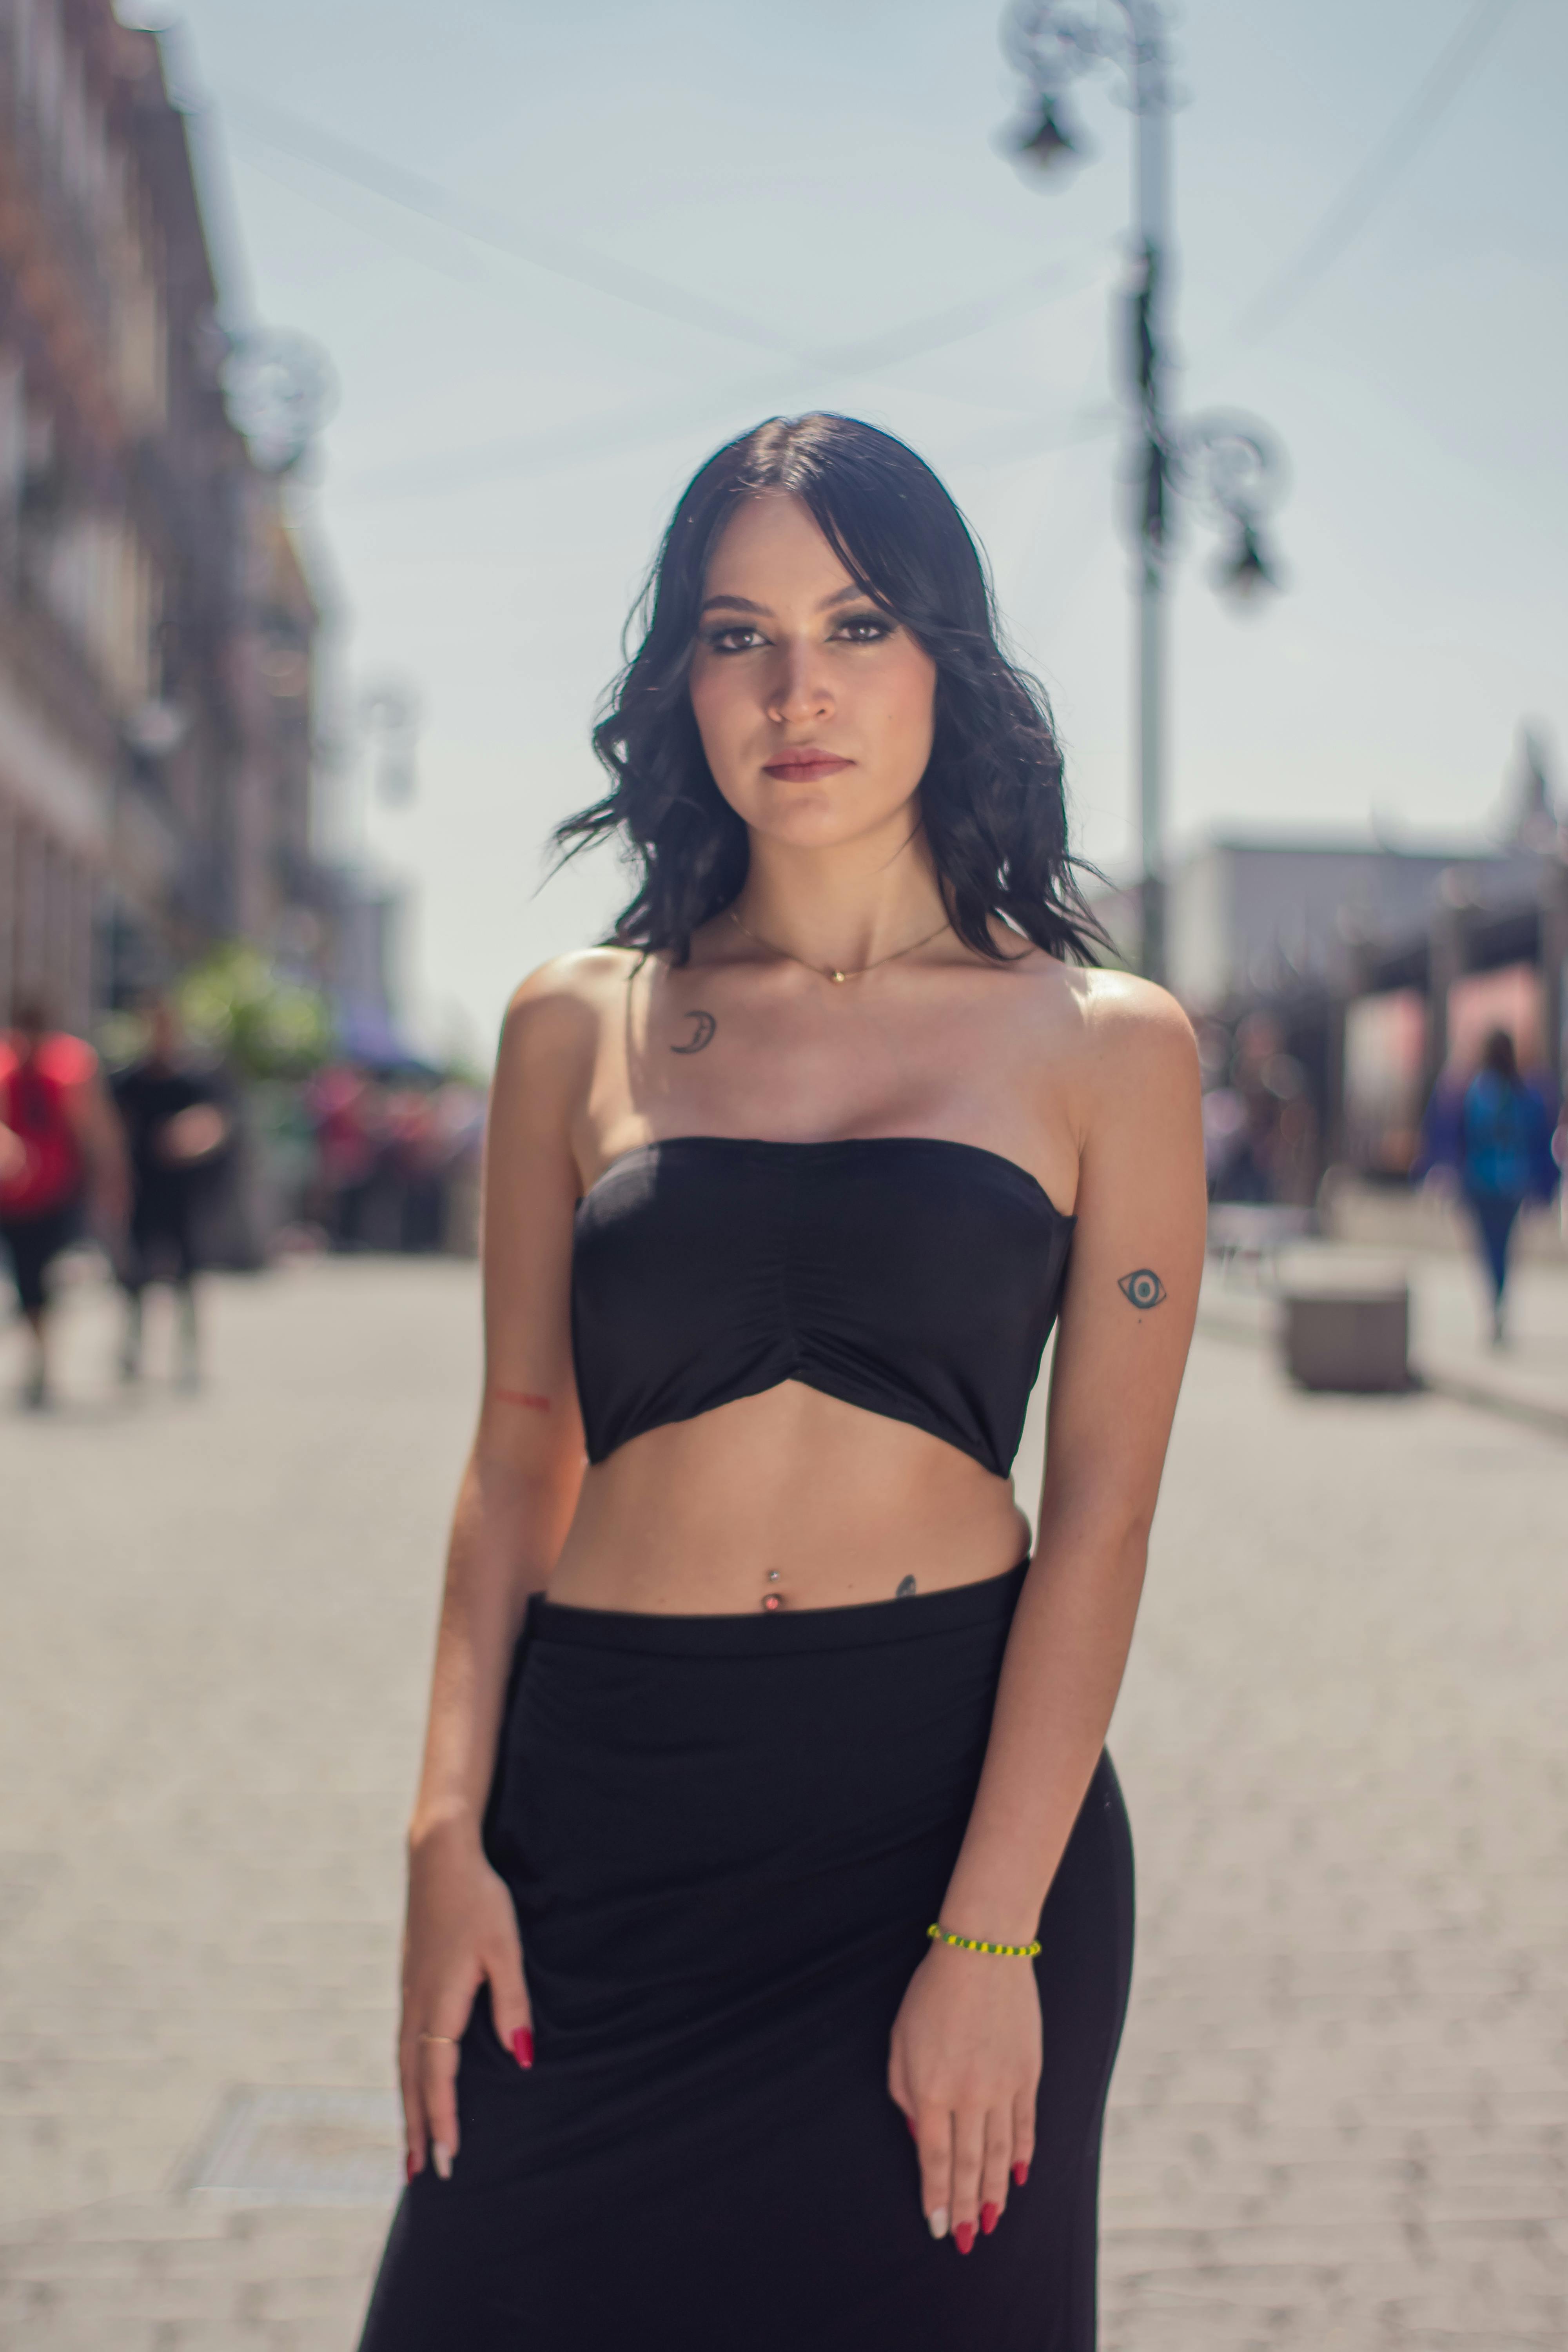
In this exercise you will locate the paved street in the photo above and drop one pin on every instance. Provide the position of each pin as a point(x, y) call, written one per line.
point(1450, 1318)
point(1341, 2117)
point(1341, 2109)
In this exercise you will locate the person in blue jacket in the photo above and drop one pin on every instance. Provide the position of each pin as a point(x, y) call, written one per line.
point(1504, 1157)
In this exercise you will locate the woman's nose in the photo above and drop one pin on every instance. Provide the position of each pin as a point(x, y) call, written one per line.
point(800, 689)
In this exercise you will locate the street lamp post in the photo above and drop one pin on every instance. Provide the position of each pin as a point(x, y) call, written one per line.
point(1228, 463)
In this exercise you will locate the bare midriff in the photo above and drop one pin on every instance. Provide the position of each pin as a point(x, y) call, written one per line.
point(787, 1500)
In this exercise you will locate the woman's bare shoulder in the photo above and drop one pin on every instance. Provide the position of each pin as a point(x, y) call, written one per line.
point(559, 1007)
point(1104, 1010)
point(583, 976)
point(1107, 1030)
point(1134, 1033)
point(1117, 1005)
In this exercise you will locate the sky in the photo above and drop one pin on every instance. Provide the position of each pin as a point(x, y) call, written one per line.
point(558, 254)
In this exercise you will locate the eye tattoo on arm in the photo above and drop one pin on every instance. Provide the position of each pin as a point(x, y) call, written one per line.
point(521, 1397)
point(702, 1027)
point(1142, 1287)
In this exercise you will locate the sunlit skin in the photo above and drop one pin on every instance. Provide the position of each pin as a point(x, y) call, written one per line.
point(794, 660)
point(1087, 1080)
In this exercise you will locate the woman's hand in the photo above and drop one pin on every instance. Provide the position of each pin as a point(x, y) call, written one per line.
point(461, 1929)
point(964, 2066)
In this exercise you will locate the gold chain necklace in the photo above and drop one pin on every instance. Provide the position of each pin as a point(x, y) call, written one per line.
point(830, 974)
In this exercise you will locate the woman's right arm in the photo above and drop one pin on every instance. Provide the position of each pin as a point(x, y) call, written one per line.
point(519, 1491)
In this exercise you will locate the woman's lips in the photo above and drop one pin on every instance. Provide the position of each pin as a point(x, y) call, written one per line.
point(802, 765)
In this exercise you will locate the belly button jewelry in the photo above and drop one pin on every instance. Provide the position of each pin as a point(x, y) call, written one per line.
point(772, 1600)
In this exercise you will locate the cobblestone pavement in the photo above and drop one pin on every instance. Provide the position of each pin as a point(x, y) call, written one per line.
point(1341, 2116)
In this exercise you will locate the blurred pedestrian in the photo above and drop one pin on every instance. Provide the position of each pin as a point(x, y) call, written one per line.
point(1506, 1158)
point(414, 1166)
point(61, 1157)
point(175, 1127)
point(765, 1773)
point(1259, 1129)
point(344, 1104)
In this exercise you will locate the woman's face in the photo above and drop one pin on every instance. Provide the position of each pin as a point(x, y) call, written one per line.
point(815, 706)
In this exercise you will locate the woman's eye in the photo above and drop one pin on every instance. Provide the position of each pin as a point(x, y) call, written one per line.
point(859, 629)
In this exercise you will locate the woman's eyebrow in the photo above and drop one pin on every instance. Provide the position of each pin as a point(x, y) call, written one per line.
point(744, 603)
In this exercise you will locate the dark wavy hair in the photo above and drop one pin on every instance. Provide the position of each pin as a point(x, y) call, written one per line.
point(992, 798)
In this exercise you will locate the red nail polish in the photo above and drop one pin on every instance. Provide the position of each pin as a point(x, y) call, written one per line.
point(989, 2216)
point(408, 2164)
point(910, 2121)
point(1020, 2174)
point(963, 2235)
point(522, 2046)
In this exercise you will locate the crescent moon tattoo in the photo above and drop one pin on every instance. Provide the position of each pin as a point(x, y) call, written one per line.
point(702, 1027)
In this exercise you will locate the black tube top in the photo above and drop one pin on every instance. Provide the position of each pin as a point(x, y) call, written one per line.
point(916, 1278)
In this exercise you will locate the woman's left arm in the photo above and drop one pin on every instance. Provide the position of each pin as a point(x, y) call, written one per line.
point(965, 2057)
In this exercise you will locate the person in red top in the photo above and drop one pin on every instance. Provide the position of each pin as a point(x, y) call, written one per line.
point(59, 1145)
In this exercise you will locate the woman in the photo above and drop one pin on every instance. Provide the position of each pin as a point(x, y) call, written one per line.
point(1505, 1159)
point(802, 1755)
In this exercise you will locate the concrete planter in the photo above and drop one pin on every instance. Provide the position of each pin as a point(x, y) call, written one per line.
point(1348, 1333)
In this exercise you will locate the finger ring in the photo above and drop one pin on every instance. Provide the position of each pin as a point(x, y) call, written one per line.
point(449, 2038)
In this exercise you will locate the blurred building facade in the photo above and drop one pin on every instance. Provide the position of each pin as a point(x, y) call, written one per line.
point(361, 962)
point(1252, 918)
point(157, 628)
point(1352, 977)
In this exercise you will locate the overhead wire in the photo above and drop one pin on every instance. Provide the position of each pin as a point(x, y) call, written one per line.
point(276, 128)
point(543, 248)
point(1356, 202)
point(424, 242)
point(640, 427)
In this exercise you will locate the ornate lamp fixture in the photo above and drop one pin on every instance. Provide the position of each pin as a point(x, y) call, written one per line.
point(1229, 466)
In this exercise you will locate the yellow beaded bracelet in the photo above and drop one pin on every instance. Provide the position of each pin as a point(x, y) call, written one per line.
point(937, 1934)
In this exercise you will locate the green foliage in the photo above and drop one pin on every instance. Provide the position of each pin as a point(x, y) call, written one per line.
point(120, 1038)
point(237, 1003)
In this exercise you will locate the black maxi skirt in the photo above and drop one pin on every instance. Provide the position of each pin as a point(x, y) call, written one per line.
point(725, 1837)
